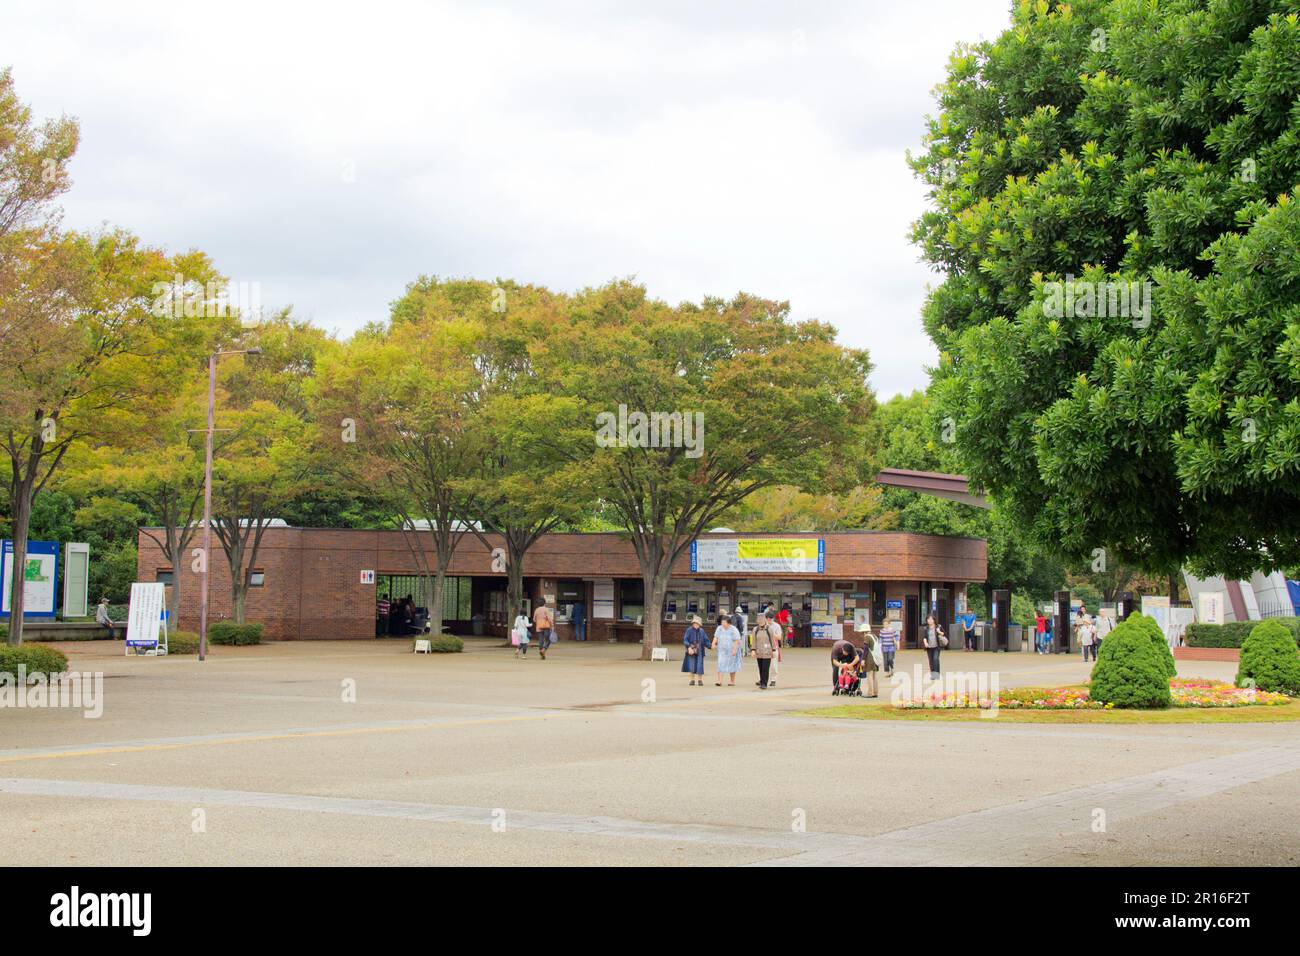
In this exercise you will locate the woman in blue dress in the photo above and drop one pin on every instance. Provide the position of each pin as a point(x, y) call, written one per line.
point(729, 644)
point(695, 642)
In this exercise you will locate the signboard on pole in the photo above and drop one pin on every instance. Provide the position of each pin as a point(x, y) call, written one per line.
point(40, 575)
point(1157, 608)
point(144, 619)
point(759, 555)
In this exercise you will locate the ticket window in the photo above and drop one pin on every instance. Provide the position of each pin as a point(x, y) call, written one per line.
point(631, 594)
point(568, 594)
point(694, 604)
point(674, 606)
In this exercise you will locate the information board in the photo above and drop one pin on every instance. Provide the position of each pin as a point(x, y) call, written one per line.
point(144, 619)
point(40, 575)
point(759, 555)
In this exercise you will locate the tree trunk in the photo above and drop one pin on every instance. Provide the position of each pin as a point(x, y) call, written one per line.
point(238, 583)
point(238, 595)
point(439, 582)
point(514, 577)
point(1173, 587)
point(22, 504)
point(173, 555)
point(655, 582)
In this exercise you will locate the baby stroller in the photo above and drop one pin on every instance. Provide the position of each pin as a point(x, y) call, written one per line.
point(849, 683)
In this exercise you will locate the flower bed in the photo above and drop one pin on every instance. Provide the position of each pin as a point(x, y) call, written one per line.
point(1185, 691)
point(1199, 692)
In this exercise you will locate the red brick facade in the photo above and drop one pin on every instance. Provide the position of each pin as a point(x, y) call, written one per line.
point(313, 586)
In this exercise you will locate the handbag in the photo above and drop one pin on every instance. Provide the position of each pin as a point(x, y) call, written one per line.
point(943, 638)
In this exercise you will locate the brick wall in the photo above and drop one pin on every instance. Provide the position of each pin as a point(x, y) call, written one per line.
point(313, 575)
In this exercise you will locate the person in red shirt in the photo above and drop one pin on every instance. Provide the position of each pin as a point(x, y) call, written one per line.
point(783, 618)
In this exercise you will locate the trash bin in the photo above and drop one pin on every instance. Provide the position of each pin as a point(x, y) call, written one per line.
point(1016, 638)
point(479, 623)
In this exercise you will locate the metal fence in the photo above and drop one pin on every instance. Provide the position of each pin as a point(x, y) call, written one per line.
point(1276, 609)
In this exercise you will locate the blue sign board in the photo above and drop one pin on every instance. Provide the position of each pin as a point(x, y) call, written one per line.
point(894, 605)
point(40, 578)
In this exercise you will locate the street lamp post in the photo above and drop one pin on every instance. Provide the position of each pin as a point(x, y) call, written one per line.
point(207, 494)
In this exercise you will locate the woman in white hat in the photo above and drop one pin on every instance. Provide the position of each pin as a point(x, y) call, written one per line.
point(695, 641)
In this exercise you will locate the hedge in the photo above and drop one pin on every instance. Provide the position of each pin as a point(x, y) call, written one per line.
point(228, 632)
point(37, 658)
point(182, 642)
point(1234, 633)
point(1269, 660)
point(1131, 671)
point(447, 644)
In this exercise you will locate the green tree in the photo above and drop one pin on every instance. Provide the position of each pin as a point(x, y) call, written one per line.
point(1091, 146)
point(914, 439)
point(780, 401)
point(265, 459)
point(515, 485)
point(394, 405)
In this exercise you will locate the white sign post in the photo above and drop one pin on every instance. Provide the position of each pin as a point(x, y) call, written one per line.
point(1211, 607)
point(145, 619)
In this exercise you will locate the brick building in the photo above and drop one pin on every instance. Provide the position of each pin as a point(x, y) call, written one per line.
point(319, 583)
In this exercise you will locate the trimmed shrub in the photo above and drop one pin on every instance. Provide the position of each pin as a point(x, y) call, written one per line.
point(4, 632)
point(1269, 659)
point(228, 632)
point(37, 658)
point(1234, 633)
point(182, 642)
point(447, 644)
point(1131, 671)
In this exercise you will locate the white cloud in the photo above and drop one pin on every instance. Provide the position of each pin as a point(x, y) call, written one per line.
point(705, 148)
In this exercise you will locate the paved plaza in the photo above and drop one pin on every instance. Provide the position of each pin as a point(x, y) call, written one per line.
point(363, 753)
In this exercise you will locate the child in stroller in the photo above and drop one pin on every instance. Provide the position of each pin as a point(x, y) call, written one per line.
point(850, 682)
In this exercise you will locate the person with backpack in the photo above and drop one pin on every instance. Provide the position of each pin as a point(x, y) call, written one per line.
point(870, 663)
point(767, 638)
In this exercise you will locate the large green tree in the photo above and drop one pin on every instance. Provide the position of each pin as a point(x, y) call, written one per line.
point(394, 404)
point(913, 439)
point(514, 485)
point(780, 401)
point(1090, 147)
point(264, 463)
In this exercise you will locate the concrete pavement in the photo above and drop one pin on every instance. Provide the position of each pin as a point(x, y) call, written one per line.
point(360, 752)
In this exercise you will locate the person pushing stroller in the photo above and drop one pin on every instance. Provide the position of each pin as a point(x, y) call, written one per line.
point(844, 668)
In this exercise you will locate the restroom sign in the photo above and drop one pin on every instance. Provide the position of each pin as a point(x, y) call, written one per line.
point(367, 577)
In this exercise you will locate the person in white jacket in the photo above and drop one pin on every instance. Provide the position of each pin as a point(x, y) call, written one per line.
point(519, 635)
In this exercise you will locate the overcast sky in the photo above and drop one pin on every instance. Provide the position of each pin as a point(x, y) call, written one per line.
point(333, 153)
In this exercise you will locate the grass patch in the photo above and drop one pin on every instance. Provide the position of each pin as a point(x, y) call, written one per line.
point(1257, 714)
